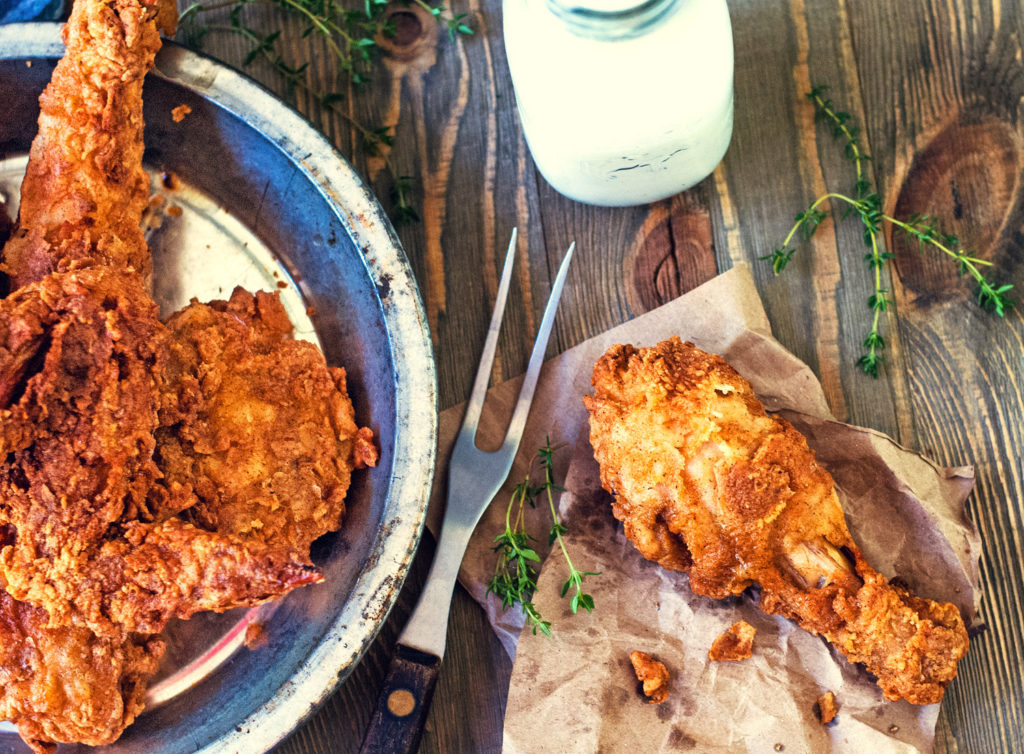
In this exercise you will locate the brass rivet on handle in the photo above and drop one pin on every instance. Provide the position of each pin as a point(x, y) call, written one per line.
point(401, 703)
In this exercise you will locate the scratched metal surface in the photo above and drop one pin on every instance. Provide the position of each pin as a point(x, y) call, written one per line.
point(252, 196)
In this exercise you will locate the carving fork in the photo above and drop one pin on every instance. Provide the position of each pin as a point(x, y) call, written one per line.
point(474, 478)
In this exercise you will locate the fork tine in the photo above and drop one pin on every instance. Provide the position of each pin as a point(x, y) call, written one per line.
point(483, 372)
point(515, 427)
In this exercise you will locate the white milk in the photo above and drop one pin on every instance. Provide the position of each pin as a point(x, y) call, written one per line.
point(622, 103)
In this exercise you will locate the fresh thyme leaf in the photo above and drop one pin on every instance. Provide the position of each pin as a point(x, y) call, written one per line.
point(350, 35)
point(515, 578)
point(867, 205)
point(779, 259)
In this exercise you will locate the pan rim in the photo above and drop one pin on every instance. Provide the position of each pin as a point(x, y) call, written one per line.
point(409, 343)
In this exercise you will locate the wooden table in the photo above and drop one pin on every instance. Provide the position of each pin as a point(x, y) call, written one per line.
point(939, 88)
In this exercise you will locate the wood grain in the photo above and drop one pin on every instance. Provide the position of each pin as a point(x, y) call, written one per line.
point(938, 86)
point(956, 104)
point(673, 252)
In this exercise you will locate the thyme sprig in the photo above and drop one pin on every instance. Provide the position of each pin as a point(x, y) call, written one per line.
point(515, 573)
point(350, 34)
point(867, 205)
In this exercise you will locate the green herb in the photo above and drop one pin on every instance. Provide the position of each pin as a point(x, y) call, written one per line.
point(351, 35)
point(515, 574)
point(867, 205)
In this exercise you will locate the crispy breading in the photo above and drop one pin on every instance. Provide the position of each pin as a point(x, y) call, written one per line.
point(260, 426)
point(85, 189)
point(705, 481)
point(734, 645)
point(66, 684)
point(826, 708)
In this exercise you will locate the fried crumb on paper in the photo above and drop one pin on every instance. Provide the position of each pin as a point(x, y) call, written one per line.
point(652, 674)
point(826, 708)
point(178, 114)
point(734, 645)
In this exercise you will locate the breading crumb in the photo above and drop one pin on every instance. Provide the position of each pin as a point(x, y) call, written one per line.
point(178, 114)
point(255, 636)
point(826, 708)
point(735, 644)
point(653, 675)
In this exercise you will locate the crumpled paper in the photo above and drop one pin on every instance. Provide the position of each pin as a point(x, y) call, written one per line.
point(576, 690)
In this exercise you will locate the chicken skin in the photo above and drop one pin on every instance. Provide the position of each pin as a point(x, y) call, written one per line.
point(85, 189)
point(706, 482)
point(65, 684)
point(260, 426)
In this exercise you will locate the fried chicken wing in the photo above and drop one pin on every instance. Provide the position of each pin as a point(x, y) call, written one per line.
point(705, 481)
point(260, 426)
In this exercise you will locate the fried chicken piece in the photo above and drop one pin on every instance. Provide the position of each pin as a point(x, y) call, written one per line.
point(137, 581)
point(708, 483)
point(85, 189)
point(78, 351)
point(652, 674)
point(62, 685)
point(79, 355)
point(260, 426)
point(735, 645)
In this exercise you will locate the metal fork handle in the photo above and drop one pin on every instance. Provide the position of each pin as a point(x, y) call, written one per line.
point(426, 629)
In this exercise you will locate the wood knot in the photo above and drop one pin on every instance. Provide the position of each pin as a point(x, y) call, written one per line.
point(673, 252)
point(409, 32)
point(966, 178)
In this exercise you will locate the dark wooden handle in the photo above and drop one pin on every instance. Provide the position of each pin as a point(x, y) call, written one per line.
point(397, 723)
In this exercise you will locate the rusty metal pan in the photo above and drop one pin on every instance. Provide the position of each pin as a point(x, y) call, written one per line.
point(252, 195)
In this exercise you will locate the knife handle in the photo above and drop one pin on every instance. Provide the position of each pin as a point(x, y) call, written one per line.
point(397, 723)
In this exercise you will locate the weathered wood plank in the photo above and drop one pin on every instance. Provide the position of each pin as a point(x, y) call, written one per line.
point(779, 162)
point(943, 81)
point(939, 80)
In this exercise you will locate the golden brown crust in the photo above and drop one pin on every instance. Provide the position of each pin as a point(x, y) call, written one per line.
point(826, 708)
point(85, 188)
point(652, 674)
point(734, 645)
point(260, 426)
point(705, 481)
point(66, 684)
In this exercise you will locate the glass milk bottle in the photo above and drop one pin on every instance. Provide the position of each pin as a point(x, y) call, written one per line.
point(622, 101)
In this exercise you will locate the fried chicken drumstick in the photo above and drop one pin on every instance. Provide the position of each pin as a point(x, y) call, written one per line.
point(85, 189)
point(706, 482)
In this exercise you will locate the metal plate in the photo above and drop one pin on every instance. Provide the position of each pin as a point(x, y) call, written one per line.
point(263, 200)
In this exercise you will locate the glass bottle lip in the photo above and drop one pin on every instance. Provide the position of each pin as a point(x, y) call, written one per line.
point(611, 19)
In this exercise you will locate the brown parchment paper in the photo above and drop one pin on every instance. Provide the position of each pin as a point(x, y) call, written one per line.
point(576, 691)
